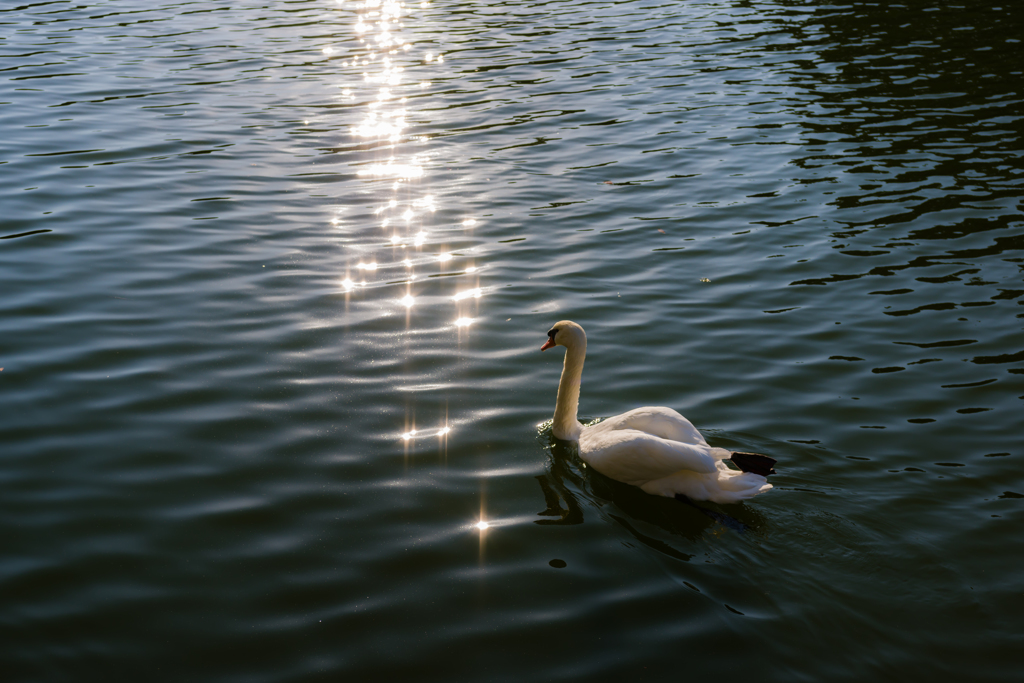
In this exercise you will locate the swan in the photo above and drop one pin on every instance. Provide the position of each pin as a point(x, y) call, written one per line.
point(654, 448)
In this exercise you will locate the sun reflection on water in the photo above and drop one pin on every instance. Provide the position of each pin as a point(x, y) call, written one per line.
point(393, 170)
point(475, 293)
point(413, 433)
point(383, 83)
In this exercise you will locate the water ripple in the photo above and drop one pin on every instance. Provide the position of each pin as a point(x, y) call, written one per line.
point(249, 248)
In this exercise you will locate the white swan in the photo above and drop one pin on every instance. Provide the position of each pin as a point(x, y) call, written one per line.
point(656, 449)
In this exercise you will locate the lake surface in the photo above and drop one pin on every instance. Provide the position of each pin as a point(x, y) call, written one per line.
point(274, 277)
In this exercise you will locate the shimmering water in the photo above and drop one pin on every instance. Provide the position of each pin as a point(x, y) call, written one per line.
point(273, 281)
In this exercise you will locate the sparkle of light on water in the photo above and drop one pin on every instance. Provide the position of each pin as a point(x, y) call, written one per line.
point(273, 281)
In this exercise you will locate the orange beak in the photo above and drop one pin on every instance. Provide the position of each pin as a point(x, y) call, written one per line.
point(547, 345)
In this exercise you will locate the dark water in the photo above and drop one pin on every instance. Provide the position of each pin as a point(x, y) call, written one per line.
point(798, 223)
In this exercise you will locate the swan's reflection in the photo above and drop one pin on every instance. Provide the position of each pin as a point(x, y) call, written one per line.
point(556, 491)
point(568, 479)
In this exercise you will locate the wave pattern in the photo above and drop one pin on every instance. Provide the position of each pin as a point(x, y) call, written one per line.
point(274, 277)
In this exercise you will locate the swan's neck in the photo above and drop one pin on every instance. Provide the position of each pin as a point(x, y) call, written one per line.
point(566, 426)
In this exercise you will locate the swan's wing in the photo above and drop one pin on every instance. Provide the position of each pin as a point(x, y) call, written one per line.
point(659, 421)
point(634, 457)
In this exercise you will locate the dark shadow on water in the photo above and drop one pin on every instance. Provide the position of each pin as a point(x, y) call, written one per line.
point(914, 119)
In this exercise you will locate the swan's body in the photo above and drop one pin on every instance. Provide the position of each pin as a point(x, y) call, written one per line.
point(656, 449)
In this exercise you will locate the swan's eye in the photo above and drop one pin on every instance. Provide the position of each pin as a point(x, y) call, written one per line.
point(551, 334)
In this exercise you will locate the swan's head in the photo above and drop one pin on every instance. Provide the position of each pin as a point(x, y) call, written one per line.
point(566, 333)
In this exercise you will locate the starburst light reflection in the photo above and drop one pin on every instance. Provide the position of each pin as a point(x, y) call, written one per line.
point(412, 434)
point(382, 70)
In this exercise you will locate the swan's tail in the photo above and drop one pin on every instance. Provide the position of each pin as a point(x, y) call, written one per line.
point(754, 462)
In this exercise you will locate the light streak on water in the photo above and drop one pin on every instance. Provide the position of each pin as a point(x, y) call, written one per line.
point(380, 66)
point(474, 293)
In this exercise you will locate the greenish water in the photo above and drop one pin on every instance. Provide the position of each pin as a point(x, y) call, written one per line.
point(251, 411)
